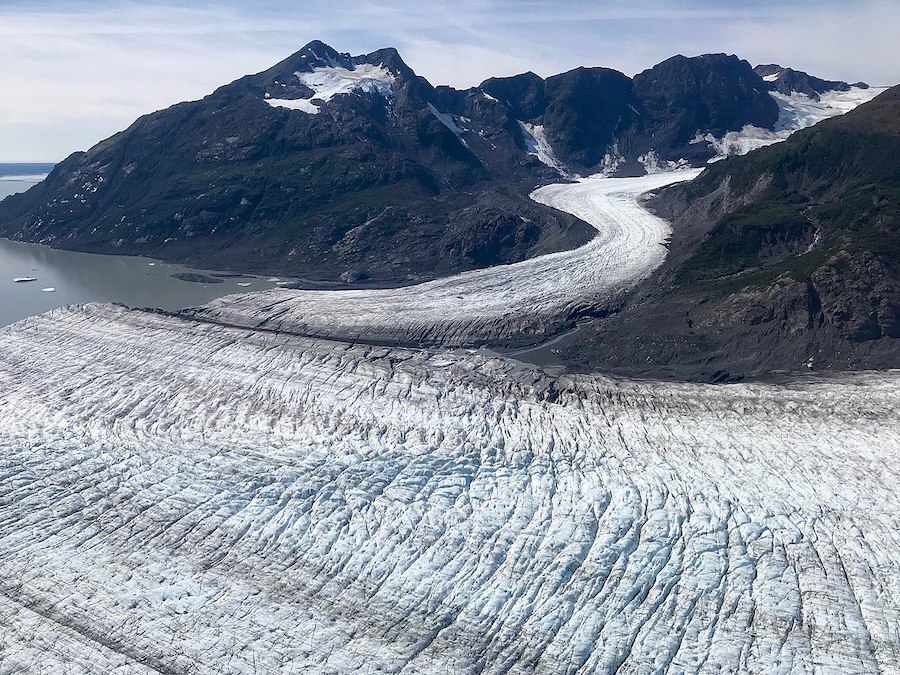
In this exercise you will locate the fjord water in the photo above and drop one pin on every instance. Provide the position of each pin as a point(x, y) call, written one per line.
point(83, 277)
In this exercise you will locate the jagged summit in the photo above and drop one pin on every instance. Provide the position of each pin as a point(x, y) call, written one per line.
point(788, 81)
point(315, 74)
point(337, 166)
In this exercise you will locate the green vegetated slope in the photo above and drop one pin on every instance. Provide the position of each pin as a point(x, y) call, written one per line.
point(787, 258)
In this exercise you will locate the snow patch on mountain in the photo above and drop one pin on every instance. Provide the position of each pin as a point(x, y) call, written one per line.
point(612, 160)
point(331, 81)
point(740, 142)
point(536, 144)
point(450, 122)
point(653, 164)
point(795, 112)
point(799, 111)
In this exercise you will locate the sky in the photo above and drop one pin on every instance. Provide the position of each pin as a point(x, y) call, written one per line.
point(76, 71)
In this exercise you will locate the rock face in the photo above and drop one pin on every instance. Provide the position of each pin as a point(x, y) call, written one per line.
point(369, 174)
point(600, 120)
point(784, 259)
point(789, 81)
point(331, 166)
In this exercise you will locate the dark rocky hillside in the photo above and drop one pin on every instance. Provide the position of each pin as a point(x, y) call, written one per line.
point(598, 119)
point(389, 180)
point(785, 259)
point(375, 186)
point(788, 81)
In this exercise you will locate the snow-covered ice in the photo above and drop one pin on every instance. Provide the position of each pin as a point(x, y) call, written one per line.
point(201, 496)
point(330, 81)
point(536, 144)
point(798, 111)
point(180, 497)
point(531, 298)
point(795, 112)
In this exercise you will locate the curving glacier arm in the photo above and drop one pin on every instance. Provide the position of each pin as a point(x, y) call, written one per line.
point(531, 298)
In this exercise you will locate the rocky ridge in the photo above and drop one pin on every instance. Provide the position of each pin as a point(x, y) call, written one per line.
point(785, 259)
point(353, 168)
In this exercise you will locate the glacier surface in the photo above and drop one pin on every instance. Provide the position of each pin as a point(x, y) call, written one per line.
point(182, 497)
point(531, 298)
point(231, 492)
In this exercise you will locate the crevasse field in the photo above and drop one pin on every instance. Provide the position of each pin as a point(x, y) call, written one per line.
point(231, 492)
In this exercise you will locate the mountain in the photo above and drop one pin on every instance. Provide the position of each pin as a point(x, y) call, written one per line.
point(598, 119)
point(789, 81)
point(786, 259)
point(331, 167)
point(368, 178)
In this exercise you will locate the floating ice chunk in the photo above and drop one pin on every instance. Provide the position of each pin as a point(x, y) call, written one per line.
point(244, 283)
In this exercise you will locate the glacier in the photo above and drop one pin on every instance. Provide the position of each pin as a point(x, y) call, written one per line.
point(235, 490)
point(795, 112)
point(524, 301)
point(198, 498)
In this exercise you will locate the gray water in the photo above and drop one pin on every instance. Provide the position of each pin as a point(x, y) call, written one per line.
point(85, 277)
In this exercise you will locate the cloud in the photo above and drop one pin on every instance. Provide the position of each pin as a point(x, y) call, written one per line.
point(73, 76)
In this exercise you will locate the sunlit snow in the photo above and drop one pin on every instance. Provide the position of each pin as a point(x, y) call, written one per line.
point(194, 498)
point(448, 121)
point(536, 144)
point(529, 298)
point(795, 111)
point(330, 81)
point(226, 497)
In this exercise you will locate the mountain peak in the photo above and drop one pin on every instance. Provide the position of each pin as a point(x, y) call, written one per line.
point(317, 54)
point(788, 81)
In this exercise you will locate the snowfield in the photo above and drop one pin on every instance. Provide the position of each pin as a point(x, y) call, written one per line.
point(532, 298)
point(205, 499)
point(795, 112)
point(330, 81)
